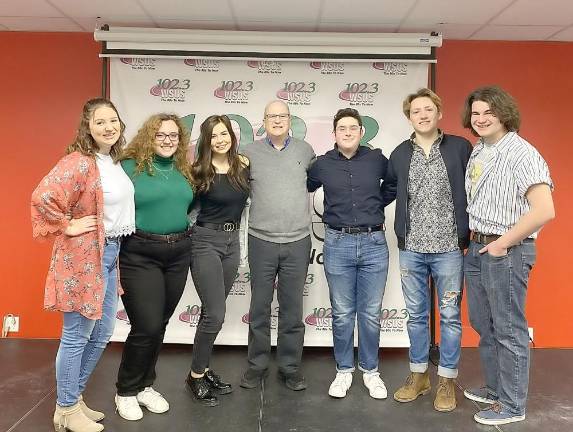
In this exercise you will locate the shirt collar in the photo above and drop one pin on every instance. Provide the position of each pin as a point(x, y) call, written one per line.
point(499, 146)
point(437, 142)
point(287, 142)
point(361, 149)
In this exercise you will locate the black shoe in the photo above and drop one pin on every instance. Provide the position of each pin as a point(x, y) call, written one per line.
point(294, 381)
point(217, 384)
point(201, 391)
point(252, 378)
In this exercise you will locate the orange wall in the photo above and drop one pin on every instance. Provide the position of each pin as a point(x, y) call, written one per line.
point(538, 75)
point(46, 78)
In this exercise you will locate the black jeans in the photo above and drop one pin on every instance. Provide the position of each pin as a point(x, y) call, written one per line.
point(153, 275)
point(289, 262)
point(214, 264)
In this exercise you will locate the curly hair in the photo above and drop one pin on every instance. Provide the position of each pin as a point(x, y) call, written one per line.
point(500, 103)
point(84, 141)
point(203, 171)
point(141, 147)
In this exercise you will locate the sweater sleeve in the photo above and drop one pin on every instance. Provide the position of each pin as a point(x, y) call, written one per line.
point(53, 198)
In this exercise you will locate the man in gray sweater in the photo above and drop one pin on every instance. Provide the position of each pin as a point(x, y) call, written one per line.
point(279, 246)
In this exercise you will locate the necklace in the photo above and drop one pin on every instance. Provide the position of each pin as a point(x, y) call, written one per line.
point(163, 171)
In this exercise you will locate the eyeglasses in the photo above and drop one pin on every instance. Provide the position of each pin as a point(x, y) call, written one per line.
point(173, 137)
point(353, 129)
point(277, 116)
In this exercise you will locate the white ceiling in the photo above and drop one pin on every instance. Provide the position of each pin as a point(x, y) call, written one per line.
point(543, 20)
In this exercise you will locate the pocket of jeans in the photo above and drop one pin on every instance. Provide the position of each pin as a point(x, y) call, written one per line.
point(332, 236)
point(378, 237)
point(498, 258)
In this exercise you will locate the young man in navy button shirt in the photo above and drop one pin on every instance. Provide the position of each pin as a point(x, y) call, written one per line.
point(355, 250)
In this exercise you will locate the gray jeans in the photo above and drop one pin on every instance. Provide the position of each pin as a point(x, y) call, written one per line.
point(214, 263)
point(496, 289)
point(287, 262)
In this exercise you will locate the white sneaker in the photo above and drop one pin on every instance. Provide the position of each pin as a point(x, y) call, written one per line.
point(128, 408)
point(152, 400)
point(375, 385)
point(340, 385)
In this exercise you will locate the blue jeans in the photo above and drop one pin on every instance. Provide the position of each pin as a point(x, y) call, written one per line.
point(356, 266)
point(446, 270)
point(83, 340)
point(497, 288)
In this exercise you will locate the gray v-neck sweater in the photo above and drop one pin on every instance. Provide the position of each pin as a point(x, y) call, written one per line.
point(280, 204)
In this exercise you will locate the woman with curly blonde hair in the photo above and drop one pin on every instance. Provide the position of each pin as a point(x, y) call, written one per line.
point(86, 205)
point(154, 261)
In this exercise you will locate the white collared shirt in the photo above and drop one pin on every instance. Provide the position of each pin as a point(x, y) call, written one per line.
point(496, 185)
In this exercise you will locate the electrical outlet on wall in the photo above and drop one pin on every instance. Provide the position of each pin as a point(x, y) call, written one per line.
point(530, 329)
point(10, 324)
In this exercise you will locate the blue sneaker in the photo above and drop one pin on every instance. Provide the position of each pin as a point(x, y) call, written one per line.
point(497, 415)
point(481, 394)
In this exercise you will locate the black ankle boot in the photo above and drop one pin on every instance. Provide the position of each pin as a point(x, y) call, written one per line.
point(217, 384)
point(201, 390)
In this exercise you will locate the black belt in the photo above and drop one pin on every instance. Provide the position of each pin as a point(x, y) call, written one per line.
point(168, 238)
point(226, 226)
point(357, 230)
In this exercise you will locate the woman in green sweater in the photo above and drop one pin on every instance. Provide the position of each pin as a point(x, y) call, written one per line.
point(154, 261)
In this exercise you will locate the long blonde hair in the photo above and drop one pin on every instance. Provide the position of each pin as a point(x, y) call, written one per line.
point(141, 146)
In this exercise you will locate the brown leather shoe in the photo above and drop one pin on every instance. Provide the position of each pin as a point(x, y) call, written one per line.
point(416, 384)
point(446, 395)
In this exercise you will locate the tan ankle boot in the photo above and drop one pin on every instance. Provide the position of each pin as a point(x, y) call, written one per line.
point(72, 419)
point(90, 413)
point(416, 384)
point(446, 395)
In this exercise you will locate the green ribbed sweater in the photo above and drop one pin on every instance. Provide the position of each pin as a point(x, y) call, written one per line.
point(162, 200)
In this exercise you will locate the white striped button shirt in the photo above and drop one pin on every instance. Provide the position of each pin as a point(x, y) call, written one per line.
point(497, 200)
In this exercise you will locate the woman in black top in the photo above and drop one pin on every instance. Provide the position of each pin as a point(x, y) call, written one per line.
point(220, 178)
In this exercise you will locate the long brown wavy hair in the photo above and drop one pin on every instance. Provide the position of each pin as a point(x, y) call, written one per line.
point(203, 171)
point(84, 142)
point(140, 148)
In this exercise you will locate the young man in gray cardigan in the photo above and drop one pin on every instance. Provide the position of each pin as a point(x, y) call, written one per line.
point(279, 246)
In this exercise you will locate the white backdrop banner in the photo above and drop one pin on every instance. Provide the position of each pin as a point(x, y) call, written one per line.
point(314, 91)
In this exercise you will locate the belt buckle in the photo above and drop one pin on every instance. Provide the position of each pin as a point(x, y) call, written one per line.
point(228, 226)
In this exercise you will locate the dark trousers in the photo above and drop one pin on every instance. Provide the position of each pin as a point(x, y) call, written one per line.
point(289, 262)
point(153, 275)
point(214, 264)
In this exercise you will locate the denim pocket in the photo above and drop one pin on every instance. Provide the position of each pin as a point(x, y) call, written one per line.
point(498, 258)
point(332, 236)
point(379, 237)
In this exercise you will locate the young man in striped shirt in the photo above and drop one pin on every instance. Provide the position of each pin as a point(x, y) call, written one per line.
point(509, 200)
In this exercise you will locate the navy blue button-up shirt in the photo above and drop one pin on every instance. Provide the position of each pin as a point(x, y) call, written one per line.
point(353, 195)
